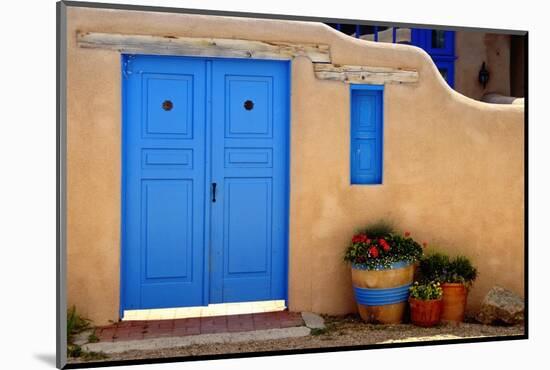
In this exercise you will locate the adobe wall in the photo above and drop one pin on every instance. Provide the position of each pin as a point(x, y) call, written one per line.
point(453, 166)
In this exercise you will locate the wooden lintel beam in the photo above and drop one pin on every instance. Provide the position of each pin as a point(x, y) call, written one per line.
point(193, 46)
point(364, 74)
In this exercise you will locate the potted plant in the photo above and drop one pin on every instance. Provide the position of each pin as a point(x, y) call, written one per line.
point(456, 277)
point(426, 303)
point(382, 270)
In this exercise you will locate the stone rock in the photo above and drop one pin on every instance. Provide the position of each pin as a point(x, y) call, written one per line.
point(313, 321)
point(501, 305)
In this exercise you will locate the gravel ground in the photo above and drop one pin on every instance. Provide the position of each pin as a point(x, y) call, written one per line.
point(340, 331)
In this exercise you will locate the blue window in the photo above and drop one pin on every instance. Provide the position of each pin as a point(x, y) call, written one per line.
point(441, 47)
point(366, 134)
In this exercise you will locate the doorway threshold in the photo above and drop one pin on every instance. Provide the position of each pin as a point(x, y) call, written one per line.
point(217, 309)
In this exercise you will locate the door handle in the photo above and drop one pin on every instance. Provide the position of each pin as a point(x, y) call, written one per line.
point(213, 192)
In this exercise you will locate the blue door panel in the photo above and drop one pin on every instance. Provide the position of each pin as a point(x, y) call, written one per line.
point(163, 182)
point(249, 165)
point(166, 204)
point(248, 203)
point(188, 123)
point(176, 122)
point(167, 158)
point(255, 121)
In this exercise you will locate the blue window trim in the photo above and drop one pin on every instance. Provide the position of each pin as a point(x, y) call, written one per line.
point(365, 87)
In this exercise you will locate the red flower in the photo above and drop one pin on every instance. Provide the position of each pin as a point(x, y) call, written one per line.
point(384, 244)
point(407, 233)
point(424, 244)
point(373, 251)
point(360, 238)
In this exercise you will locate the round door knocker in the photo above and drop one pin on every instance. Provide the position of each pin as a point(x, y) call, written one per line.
point(167, 105)
point(248, 105)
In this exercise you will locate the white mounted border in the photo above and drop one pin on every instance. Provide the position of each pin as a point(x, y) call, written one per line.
point(364, 75)
point(194, 46)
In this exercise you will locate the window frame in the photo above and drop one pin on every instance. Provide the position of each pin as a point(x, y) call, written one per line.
point(375, 88)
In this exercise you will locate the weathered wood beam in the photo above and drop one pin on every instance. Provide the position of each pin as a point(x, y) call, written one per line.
point(364, 74)
point(193, 46)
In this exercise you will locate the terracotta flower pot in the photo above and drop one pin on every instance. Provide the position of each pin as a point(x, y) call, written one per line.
point(454, 302)
point(382, 294)
point(425, 313)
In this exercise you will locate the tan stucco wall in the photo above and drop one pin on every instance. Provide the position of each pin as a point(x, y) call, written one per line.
point(453, 167)
point(472, 49)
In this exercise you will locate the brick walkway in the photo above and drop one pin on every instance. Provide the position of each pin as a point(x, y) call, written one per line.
point(133, 330)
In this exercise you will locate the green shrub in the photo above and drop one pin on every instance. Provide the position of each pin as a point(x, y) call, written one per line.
point(440, 267)
point(379, 229)
point(427, 291)
point(432, 267)
point(461, 270)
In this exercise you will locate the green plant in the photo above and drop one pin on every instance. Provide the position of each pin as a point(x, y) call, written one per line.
point(426, 291)
point(91, 355)
point(75, 324)
point(379, 229)
point(318, 331)
point(92, 338)
point(432, 267)
point(440, 267)
point(461, 270)
point(377, 247)
point(74, 350)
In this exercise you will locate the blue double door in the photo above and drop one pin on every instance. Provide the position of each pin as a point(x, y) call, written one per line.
point(205, 181)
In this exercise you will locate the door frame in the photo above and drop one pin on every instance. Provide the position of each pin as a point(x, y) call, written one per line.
point(207, 246)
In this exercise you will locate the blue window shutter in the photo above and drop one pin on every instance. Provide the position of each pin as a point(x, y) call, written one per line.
point(366, 134)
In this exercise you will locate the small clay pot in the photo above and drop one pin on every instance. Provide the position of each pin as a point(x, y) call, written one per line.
point(427, 312)
point(454, 302)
